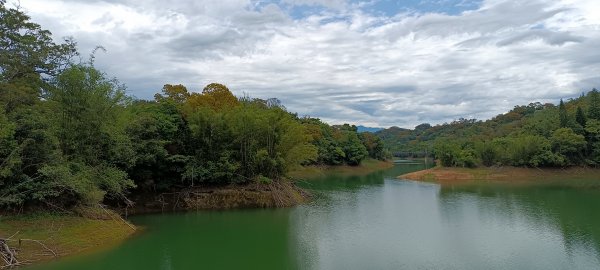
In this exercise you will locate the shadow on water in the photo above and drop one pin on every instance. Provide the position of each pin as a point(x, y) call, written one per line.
point(236, 239)
point(356, 182)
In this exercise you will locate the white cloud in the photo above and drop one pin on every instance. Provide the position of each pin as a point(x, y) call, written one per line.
point(345, 65)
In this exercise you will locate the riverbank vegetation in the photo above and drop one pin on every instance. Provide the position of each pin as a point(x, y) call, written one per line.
point(536, 135)
point(70, 135)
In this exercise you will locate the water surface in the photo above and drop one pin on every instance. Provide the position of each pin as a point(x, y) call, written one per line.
point(374, 222)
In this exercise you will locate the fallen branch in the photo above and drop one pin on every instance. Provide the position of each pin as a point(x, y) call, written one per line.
point(8, 255)
point(41, 244)
point(111, 216)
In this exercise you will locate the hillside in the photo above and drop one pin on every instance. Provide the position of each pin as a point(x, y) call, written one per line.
point(530, 135)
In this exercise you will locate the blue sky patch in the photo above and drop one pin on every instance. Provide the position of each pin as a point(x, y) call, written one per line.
point(389, 8)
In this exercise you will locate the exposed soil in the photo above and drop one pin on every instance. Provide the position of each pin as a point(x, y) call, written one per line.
point(445, 175)
point(254, 195)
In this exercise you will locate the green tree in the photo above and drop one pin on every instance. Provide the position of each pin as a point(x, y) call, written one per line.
point(562, 115)
point(28, 57)
point(534, 151)
point(487, 152)
point(446, 152)
point(592, 129)
point(8, 147)
point(158, 134)
point(594, 104)
point(87, 110)
point(569, 144)
point(374, 145)
point(580, 117)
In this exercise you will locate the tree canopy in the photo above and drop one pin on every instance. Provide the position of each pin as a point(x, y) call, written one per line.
point(70, 135)
point(535, 135)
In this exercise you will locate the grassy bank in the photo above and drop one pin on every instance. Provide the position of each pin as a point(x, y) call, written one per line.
point(366, 167)
point(575, 176)
point(42, 237)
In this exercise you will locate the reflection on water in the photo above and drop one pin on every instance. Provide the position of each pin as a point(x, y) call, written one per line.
point(375, 222)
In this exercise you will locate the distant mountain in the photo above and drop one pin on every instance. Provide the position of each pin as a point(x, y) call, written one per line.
point(368, 129)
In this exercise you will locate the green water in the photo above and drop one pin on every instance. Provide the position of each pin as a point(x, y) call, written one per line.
point(374, 222)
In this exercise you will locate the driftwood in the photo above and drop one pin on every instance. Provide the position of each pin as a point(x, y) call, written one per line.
point(9, 254)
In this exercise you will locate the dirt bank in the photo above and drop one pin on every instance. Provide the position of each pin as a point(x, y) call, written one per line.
point(571, 176)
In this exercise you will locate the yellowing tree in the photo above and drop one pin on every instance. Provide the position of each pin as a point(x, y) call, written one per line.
point(215, 96)
point(177, 93)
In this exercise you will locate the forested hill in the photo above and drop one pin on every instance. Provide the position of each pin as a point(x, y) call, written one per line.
point(532, 135)
point(70, 135)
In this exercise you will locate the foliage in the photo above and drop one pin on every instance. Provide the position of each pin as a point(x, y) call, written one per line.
point(535, 135)
point(594, 104)
point(562, 115)
point(69, 134)
point(580, 117)
point(569, 144)
point(28, 58)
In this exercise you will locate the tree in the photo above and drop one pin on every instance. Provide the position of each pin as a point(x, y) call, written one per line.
point(487, 152)
point(569, 144)
point(87, 113)
point(580, 117)
point(86, 106)
point(446, 152)
point(534, 151)
point(8, 147)
point(353, 148)
point(562, 115)
point(373, 144)
point(29, 58)
point(594, 104)
point(176, 93)
point(592, 130)
point(158, 134)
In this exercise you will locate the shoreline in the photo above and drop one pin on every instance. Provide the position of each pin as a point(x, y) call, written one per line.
point(88, 230)
point(573, 177)
point(43, 237)
point(54, 236)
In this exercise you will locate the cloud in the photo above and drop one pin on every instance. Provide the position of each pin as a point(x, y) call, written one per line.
point(335, 4)
point(345, 62)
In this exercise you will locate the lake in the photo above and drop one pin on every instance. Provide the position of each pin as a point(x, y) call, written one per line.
point(374, 222)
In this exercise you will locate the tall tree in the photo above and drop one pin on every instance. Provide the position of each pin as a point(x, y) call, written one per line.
point(562, 115)
point(28, 57)
point(594, 104)
point(580, 116)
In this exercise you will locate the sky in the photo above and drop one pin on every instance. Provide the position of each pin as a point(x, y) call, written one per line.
point(376, 63)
